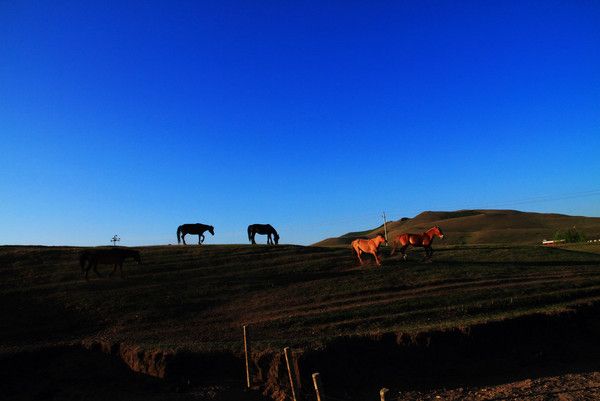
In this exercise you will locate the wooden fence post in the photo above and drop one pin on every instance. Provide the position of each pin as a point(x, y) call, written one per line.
point(382, 393)
point(246, 354)
point(318, 386)
point(288, 362)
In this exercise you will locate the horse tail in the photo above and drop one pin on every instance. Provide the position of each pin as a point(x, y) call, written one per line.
point(179, 235)
point(249, 233)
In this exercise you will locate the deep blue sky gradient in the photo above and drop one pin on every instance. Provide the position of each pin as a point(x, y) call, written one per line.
point(135, 117)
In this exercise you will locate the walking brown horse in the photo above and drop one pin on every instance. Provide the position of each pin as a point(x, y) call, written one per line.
point(90, 258)
point(421, 240)
point(368, 246)
point(196, 229)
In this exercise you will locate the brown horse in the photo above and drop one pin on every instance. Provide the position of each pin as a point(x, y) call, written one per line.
point(368, 246)
point(195, 229)
point(422, 240)
point(107, 256)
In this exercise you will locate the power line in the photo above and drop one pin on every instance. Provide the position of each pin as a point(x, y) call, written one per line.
point(384, 226)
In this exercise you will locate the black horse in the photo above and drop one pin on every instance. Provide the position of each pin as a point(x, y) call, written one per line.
point(90, 258)
point(195, 229)
point(264, 229)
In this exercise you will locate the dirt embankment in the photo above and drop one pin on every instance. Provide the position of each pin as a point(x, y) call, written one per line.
point(483, 355)
point(355, 368)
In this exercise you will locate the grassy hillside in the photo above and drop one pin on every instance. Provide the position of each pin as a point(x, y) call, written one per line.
point(483, 227)
point(198, 298)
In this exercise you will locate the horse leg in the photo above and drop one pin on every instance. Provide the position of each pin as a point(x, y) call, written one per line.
point(358, 253)
point(426, 257)
point(253, 241)
point(403, 251)
point(377, 260)
point(200, 239)
point(183, 239)
point(269, 239)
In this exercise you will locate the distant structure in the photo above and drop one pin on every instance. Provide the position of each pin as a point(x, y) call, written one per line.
point(552, 242)
point(384, 226)
point(115, 239)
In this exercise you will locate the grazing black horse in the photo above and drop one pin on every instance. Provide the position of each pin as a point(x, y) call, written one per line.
point(108, 256)
point(195, 229)
point(264, 229)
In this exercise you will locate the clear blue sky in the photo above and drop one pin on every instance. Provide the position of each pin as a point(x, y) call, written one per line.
point(135, 117)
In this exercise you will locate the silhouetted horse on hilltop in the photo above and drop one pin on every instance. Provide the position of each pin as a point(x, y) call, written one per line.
point(195, 229)
point(264, 229)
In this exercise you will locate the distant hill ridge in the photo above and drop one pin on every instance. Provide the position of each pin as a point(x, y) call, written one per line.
point(482, 227)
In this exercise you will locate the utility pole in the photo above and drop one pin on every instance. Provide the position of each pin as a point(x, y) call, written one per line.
point(384, 226)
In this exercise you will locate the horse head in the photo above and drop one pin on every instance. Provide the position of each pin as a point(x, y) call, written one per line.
point(211, 230)
point(276, 238)
point(379, 239)
point(438, 231)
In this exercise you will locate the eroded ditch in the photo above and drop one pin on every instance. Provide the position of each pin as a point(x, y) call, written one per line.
point(355, 368)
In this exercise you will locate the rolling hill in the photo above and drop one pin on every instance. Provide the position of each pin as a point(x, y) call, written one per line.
point(464, 227)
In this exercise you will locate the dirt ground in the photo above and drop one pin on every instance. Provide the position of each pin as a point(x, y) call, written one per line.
point(71, 373)
point(568, 387)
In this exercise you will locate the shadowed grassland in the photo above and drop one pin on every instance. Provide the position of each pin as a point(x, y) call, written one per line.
point(593, 247)
point(197, 298)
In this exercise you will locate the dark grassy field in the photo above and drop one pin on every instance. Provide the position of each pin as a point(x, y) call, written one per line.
point(197, 298)
point(582, 247)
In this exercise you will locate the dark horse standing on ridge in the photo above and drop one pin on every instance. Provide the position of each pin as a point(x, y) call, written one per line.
point(107, 256)
point(264, 229)
point(196, 229)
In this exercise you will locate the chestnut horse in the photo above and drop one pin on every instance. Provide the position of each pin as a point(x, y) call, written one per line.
point(196, 229)
point(368, 246)
point(422, 240)
point(108, 256)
